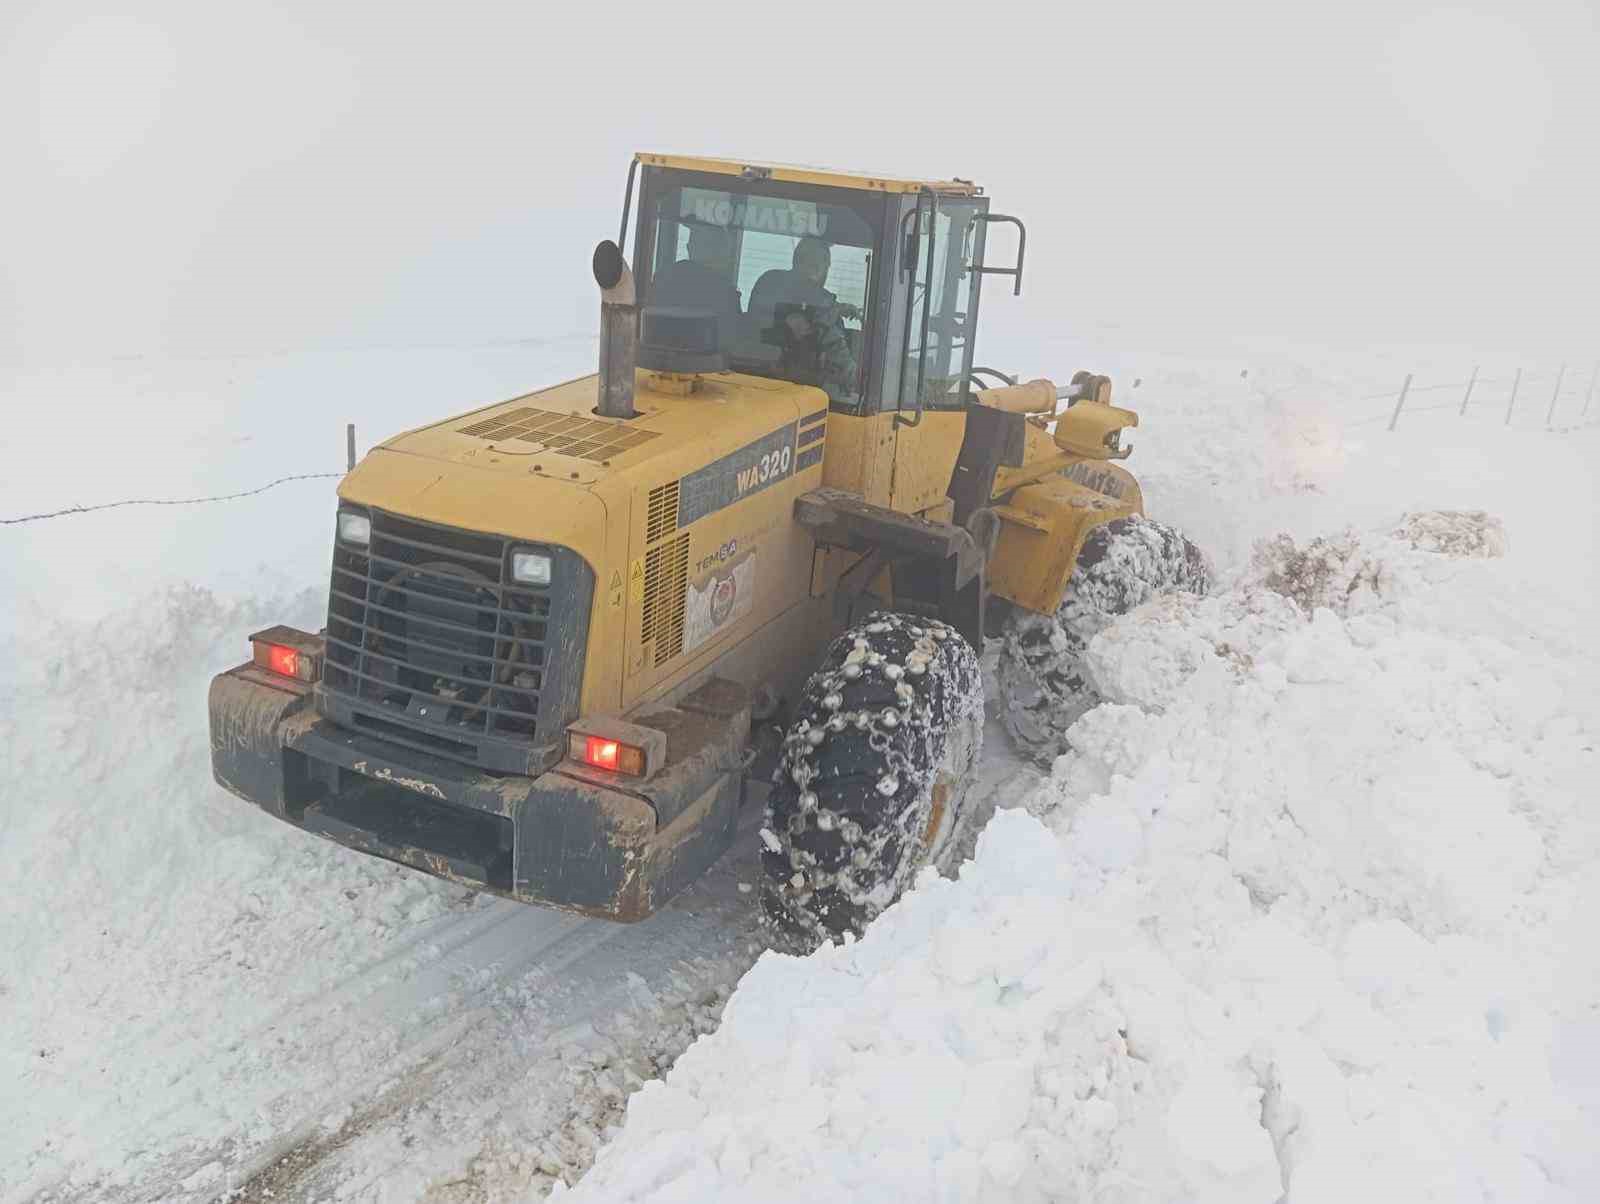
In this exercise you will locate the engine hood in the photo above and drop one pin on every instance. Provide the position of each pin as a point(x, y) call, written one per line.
point(556, 433)
point(539, 509)
point(543, 467)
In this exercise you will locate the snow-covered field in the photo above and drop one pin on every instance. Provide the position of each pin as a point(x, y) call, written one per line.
point(1308, 914)
point(1309, 911)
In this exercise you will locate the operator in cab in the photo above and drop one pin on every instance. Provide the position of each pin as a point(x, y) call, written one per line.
point(812, 318)
point(704, 280)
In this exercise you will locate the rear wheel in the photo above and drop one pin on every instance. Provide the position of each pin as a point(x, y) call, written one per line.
point(874, 777)
point(1043, 683)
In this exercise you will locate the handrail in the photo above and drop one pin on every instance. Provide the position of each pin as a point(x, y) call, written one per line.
point(905, 334)
point(1022, 247)
point(627, 204)
point(977, 371)
point(927, 313)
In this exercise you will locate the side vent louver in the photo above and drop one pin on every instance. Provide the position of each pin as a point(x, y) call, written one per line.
point(666, 588)
point(661, 518)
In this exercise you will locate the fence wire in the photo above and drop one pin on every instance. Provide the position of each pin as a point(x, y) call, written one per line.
point(181, 501)
point(1520, 398)
point(1467, 403)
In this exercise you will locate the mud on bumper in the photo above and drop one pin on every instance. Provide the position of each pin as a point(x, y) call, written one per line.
point(568, 840)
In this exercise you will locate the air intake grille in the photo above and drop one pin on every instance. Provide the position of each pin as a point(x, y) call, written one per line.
point(666, 589)
point(661, 519)
point(565, 434)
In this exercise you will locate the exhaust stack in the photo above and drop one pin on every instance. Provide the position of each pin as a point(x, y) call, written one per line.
point(619, 332)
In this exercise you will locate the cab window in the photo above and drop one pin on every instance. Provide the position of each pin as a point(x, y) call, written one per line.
point(938, 350)
point(788, 276)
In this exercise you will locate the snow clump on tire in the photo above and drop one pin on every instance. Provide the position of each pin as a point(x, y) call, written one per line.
point(873, 779)
point(1044, 681)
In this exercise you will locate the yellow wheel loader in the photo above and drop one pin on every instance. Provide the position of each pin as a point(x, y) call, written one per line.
point(788, 489)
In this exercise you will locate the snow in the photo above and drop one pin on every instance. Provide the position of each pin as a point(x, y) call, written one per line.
point(1306, 914)
point(159, 427)
point(197, 999)
point(1313, 897)
point(194, 992)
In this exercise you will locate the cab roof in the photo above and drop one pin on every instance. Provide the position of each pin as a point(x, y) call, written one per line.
point(806, 175)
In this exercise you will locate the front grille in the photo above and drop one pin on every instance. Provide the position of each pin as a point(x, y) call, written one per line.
point(431, 644)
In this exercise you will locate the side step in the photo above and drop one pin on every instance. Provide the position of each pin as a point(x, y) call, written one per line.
point(847, 520)
point(939, 565)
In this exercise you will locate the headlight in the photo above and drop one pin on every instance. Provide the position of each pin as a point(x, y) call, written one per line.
point(530, 568)
point(355, 528)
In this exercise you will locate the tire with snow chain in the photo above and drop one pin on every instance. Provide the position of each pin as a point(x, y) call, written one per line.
point(1043, 685)
point(874, 777)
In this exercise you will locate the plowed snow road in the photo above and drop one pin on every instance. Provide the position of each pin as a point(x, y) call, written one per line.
point(424, 1045)
point(476, 1056)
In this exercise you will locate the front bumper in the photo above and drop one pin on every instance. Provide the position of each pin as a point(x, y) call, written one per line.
point(579, 843)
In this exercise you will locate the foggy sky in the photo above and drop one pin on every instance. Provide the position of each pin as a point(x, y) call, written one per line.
point(207, 178)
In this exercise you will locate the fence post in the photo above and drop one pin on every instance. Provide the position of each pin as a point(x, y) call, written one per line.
point(1468, 396)
point(1551, 416)
point(349, 446)
point(1404, 389)
point(1510, 405)
point(1589, 396)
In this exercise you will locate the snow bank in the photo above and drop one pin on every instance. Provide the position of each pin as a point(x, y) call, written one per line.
point(196, 999)
point(153, 930)
point(1308, 914)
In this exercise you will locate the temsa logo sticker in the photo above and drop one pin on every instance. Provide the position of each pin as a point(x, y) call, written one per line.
point(774, 463)
point(725, 552)
point(723, 594)
point(721, 600)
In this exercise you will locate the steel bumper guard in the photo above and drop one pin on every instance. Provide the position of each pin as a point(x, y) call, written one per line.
point(574, 838)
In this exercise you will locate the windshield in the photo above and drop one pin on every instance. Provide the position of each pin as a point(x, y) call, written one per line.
point(788, 276)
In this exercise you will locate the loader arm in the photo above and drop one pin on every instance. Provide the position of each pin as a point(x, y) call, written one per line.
point(1044, 490)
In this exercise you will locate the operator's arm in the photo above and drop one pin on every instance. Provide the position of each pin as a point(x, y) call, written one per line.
point(839, 368)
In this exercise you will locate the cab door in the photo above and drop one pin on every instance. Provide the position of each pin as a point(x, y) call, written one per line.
point(940, 246)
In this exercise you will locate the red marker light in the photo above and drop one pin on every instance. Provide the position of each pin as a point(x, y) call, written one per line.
point(283, 660)
point(602, 754)
point(610, 755)
point(287, 653)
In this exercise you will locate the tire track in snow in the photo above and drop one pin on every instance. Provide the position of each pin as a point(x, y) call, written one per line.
point(438, 941)
point(407, 1020)
point(586, 991)
point(444, 1025)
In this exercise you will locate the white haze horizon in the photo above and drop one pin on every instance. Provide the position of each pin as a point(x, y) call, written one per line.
point(197, 180)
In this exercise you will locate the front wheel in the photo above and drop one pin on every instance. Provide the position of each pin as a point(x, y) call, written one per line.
point(874, 777)
point(1044, 684)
